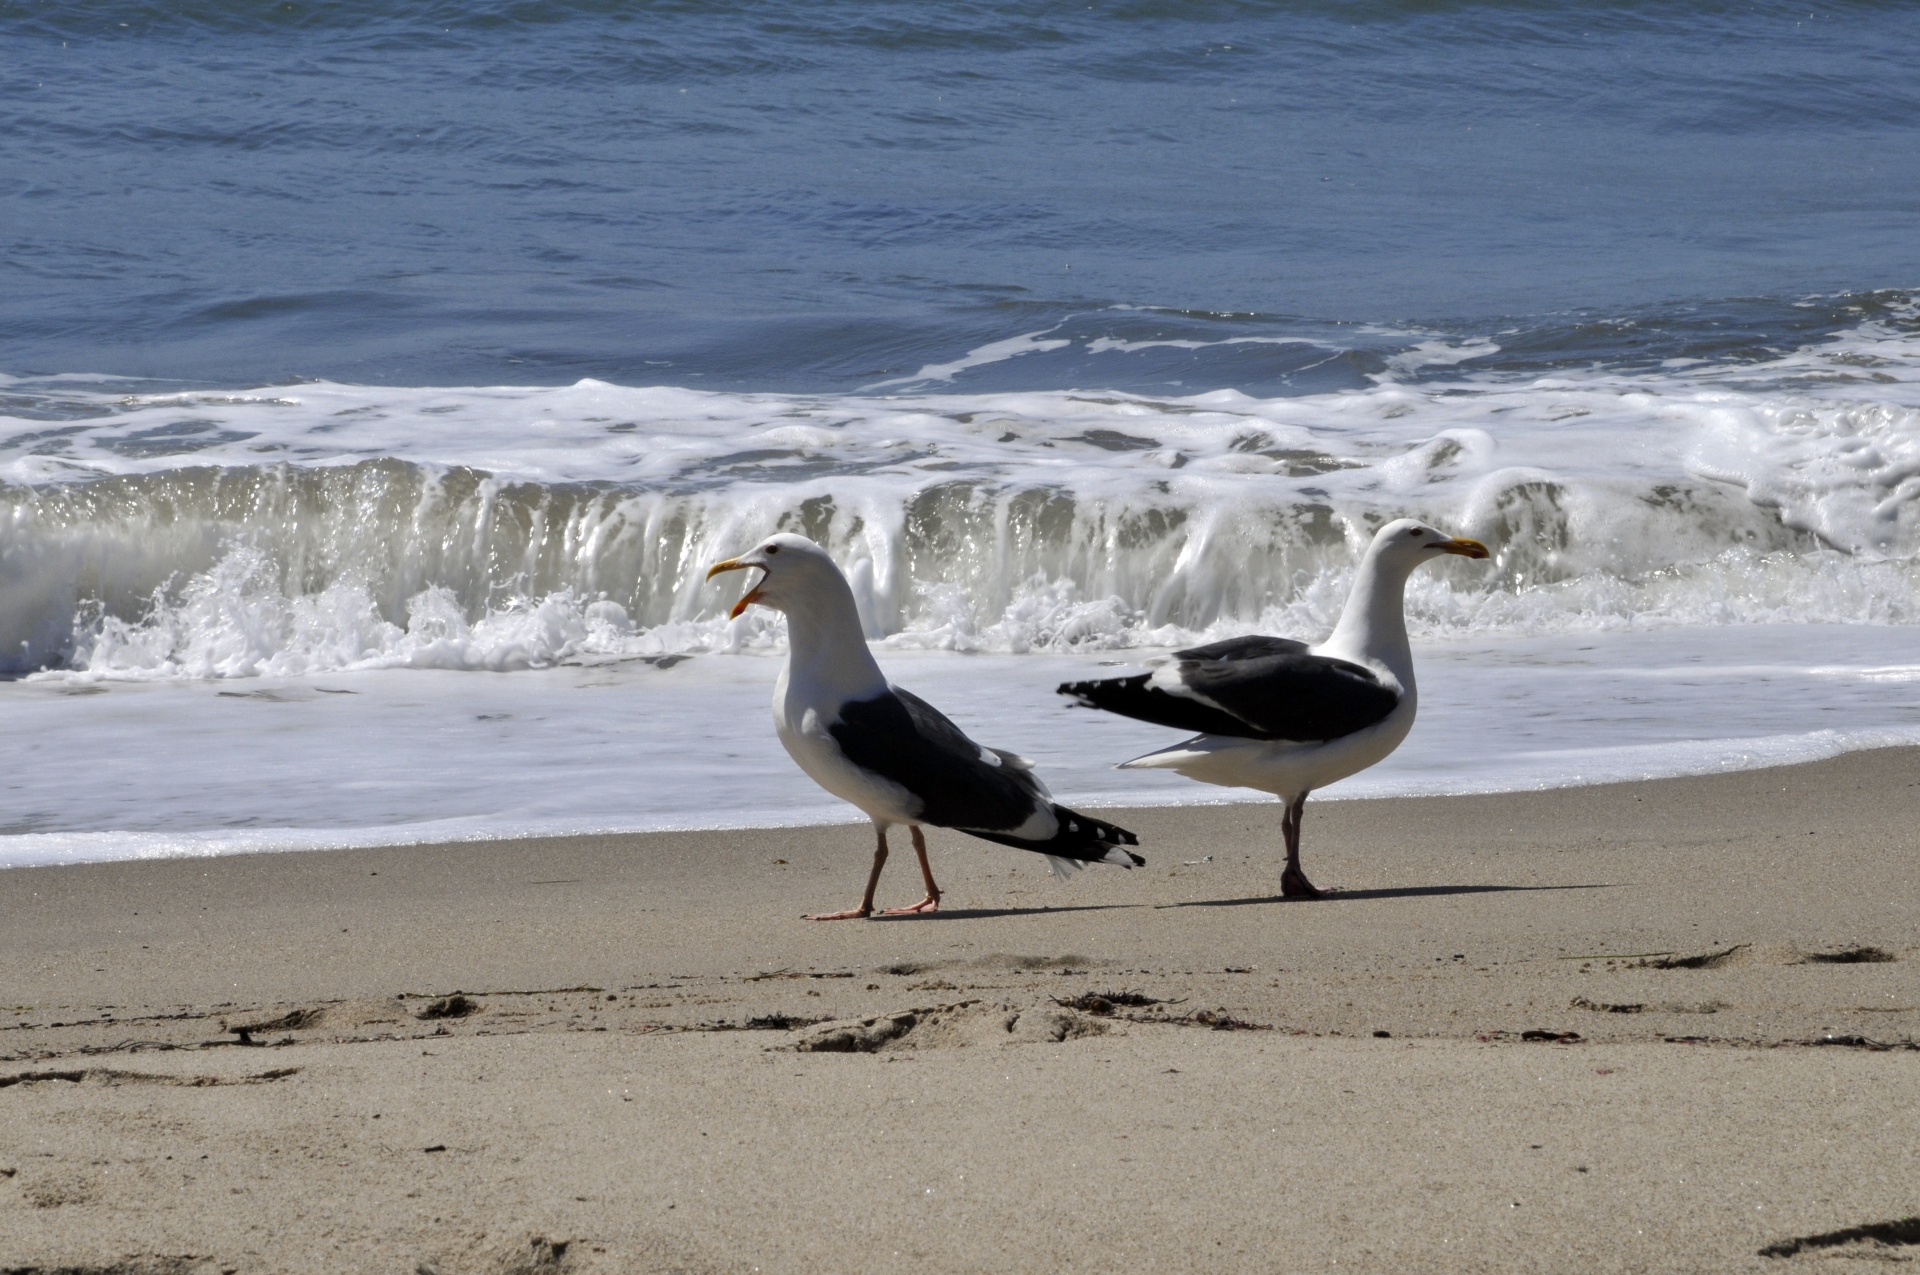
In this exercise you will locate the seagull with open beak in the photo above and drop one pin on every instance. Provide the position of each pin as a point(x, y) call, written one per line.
point(887, 751)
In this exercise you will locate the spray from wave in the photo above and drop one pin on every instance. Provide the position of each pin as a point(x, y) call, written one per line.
point(323, 526)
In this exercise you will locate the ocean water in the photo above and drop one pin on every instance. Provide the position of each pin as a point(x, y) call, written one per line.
point(376, 383)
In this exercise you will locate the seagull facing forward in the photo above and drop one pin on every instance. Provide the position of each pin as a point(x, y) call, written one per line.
point(891, 753)
point(1284, 717)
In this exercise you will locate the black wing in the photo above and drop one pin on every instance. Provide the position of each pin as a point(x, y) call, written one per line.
point(1252, 688)
point(901, 737)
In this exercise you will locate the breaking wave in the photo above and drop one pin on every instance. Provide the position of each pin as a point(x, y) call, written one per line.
point(322, 526)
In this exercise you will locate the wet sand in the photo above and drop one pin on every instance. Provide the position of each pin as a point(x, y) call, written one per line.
point(1637, 1027)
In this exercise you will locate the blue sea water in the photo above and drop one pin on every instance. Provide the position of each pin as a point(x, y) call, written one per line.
point(382, 348)
point(817, 196)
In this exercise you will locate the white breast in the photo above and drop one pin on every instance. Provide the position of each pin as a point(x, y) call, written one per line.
point(1280, 767)
point(801, 724)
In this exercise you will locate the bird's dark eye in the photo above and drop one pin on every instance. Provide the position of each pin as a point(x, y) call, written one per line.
point(773, 548)
point(1413, 531)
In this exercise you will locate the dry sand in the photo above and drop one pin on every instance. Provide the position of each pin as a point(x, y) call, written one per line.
point(592, 1054)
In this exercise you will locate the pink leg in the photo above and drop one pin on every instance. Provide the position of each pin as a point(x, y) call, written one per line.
point(932, 902)
point(1293, 882)
point(873, 881)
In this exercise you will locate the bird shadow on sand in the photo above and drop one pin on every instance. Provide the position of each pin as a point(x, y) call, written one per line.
point(977, 914)
point(1391, 892)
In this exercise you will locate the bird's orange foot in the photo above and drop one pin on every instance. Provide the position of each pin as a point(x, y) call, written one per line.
point(1294, 885)
point(927, 905)
point(851, 914)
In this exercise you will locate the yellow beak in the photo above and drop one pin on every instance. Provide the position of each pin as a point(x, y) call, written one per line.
point(1459, 544)
point(753, 595)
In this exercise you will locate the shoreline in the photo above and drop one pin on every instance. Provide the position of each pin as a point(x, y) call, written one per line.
point(203, 844)
point(425, 756)
point(1641, 1027)
point(1387, 842)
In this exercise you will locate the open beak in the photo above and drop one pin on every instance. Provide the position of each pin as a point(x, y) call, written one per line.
point(753, 595)
point(1459, 544)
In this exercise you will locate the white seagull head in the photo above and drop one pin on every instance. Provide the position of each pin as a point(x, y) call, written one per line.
point(792, 568)
point(1406, 543)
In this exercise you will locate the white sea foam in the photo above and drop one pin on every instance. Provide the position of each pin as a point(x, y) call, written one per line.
point(992, 352)
point(330, 526)
point(162, 769)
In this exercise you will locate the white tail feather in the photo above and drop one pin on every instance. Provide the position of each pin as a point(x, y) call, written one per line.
point(1166, 758)
point(1063, 868)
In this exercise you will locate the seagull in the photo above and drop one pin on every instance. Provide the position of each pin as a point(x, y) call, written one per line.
point(1284, 717)
point(889, 752)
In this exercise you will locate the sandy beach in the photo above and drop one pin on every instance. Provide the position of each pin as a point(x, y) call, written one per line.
point(1662, 1026)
